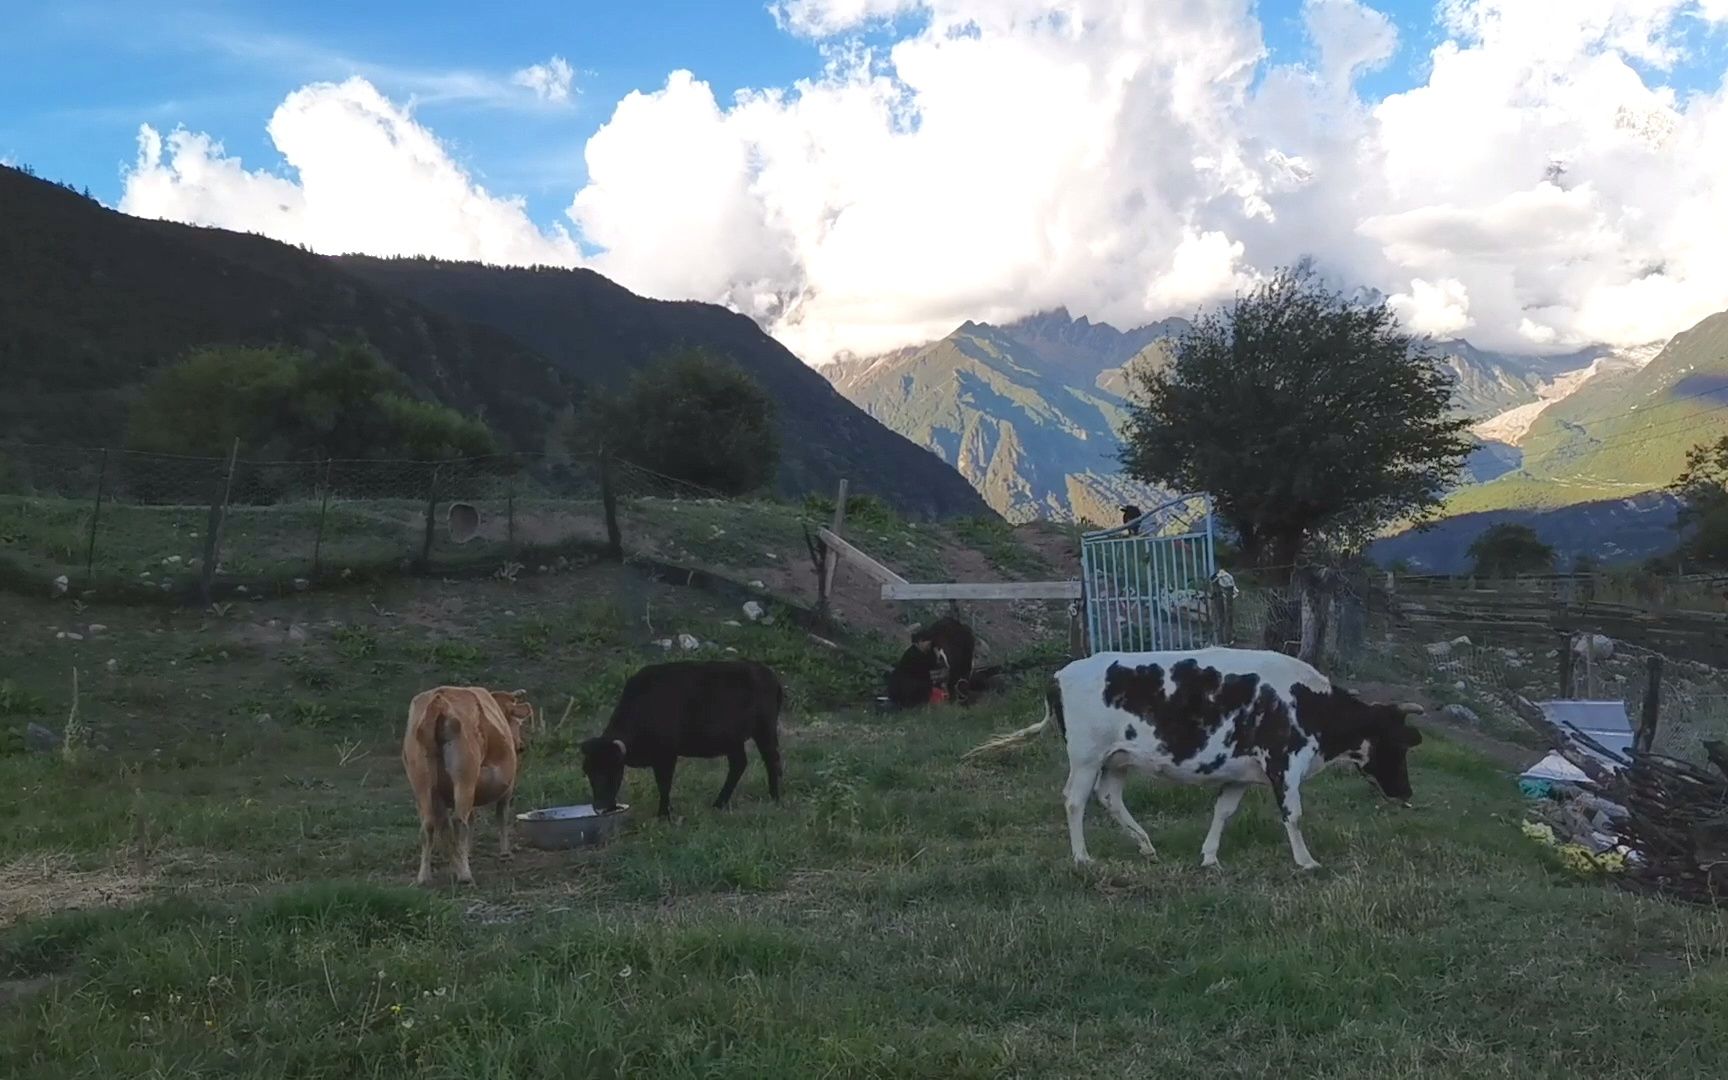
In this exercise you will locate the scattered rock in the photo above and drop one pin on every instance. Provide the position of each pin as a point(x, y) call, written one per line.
point(347, 572)
point(664, 643)
point(1461, 642)
point(753, 611)
point(1440, 648)
point(301, 584)
point(1593, 647)
point(731, 648)
point(297, 634)
point(61, 584)
point(172, 560)
point(68, 635)
point(509, 614)
point(543, 569)
point(733, 622)
point(688, 642)
point(1459, 685)
point(759, 586)
point(771, 555)
point(97, 628)
point(241, 589)
point(42, 740)
point(1462, 714)
point(112, 666)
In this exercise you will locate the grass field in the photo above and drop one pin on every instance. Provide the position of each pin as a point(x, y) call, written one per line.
point(218, 886)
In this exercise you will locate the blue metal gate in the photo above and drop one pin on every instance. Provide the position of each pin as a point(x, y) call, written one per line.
point(1147, 584)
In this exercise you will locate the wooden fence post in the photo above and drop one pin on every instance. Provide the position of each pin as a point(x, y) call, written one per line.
point(609, 508)
point(213, 528)
point(510, 507)
point(830, 557)
point(1646, 737)
point(323, 509)
point(1565, 666)
point(95, 516)
point(424, 563)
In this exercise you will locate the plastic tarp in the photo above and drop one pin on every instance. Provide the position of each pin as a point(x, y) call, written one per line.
point(1604, 721)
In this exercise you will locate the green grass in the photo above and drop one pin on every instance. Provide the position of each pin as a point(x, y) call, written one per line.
point(901, 914)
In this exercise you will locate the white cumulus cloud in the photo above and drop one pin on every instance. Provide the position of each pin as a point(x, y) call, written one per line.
point(550, 81)
point(1542, 187)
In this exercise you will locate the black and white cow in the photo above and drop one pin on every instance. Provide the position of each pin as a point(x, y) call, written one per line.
point(1230, 717)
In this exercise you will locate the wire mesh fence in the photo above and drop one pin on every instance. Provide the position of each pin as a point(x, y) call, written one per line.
point(129, 523)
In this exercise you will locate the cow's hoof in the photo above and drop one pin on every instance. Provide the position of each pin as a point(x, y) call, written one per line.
point(1308, 867)
point(1211, 864)
point(1149, 852)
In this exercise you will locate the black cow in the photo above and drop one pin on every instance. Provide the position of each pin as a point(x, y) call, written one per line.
point(688, 708)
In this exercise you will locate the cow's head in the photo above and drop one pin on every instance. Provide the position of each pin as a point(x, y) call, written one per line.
point(603, 763)
point(1390, 738)
point(518, 712)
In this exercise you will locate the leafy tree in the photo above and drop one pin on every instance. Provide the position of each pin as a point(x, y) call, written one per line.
point(694, 418)
point(1506, 550)
point(1703, 492)
point(1308, 418)
point(343, 402)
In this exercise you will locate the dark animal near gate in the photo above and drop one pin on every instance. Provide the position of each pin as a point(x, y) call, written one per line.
point(1230, 717)
point(688, 708)
point(953, 643)
point(912, 678)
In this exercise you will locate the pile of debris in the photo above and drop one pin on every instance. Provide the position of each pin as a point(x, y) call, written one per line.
point(1659, 822)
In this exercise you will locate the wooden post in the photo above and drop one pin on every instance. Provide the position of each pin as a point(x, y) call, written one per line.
point(323, 509)
point(425, 561)
point(831, 558)
point(1646, 737)
point(1565, 666)
point(609, 507)
point(95, 515)
point(213, 527)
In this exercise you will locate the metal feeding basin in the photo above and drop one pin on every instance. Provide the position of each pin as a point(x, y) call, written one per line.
point(558, 827)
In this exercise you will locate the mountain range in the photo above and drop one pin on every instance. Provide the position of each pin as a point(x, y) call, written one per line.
point(1577, 445)
point(95, 301)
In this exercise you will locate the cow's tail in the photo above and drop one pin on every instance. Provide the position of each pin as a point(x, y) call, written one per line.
point(1052, 718)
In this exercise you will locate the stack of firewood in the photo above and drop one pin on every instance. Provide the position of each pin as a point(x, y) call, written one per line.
point(1675, 817)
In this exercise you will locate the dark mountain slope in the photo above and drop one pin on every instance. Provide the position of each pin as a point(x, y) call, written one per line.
point(601, 333)
point(92, 301)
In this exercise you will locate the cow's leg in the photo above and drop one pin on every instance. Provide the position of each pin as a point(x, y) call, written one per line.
point(663, 780)
point(433, 824)
point(1222, 810)
point(1290, 806)
point(768, 746)
point(736, 762)
point(462, 829)
point(502, 812)
point(1110, 794)
point(1082, 778)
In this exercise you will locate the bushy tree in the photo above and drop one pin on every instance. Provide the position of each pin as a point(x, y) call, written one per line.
point(1506, 550)
point(695, 418)
point(341, 402)
point(1308, 418)
point(1703, 492)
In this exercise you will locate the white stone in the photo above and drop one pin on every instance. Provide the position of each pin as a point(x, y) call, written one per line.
point(664, 643)
point(753, 611)
point(759, 586)
point(97, 628)
point(301, 584)
point(172, 560)
point(113, 666)
point(688, 642)
point(61, 584)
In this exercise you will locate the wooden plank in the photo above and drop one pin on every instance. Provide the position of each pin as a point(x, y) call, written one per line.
point(984, 590)
point(865, 563)
point(831, 559)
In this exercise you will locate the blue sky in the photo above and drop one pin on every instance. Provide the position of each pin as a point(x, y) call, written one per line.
point(78, 77)
point(869, 233)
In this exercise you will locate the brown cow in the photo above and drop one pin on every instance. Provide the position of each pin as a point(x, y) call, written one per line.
point(462, 750)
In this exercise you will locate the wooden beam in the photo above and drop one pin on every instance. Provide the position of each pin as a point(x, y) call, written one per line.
point(832, 558)
point(865, 563)
point(984, 590)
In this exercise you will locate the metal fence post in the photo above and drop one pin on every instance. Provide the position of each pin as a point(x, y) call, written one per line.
point(323, 508)
point(425, 560)
point(95, 516)
point(213, 529)
point(510, 505)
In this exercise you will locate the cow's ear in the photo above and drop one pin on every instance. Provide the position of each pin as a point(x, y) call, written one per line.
point(619, 743)
point(1412, 737)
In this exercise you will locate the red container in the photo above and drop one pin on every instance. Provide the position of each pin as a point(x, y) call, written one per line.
point(938, 695)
